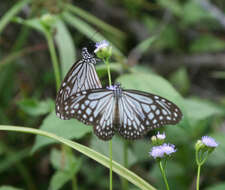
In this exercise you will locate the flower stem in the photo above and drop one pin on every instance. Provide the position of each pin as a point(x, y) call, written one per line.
point(110, 142)
point(108, 70)
point(164, 175)
point(110, 168)
point(54, 59)
point(198, 177)
point(125, 163)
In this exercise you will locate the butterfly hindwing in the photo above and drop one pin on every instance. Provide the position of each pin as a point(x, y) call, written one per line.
point(93, 107)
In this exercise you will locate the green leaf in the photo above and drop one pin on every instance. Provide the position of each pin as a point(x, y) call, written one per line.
point(67, 166)
point(180, 80)
point(194, 13)
point(117, 144)
point(59, 179)
point(5, 187)
point(35, 108)
point(66, 47)
point(174, 6)
point(105, 161)
point(220, 186)
point(94, 20)
point(63, 162)
point(33, 23)
point(11, 13)
point(11, 157)
point(198, 109)
point(87, 30)
point(207, 43)
point(70, 129)
point(141, 149)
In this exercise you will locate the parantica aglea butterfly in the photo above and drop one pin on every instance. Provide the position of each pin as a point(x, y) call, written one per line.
point(131, 113)
point(81, 76)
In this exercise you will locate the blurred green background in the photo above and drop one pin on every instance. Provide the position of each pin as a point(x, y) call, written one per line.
point(173, 48)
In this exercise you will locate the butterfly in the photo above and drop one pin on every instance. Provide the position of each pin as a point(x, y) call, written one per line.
point(81, 76)
point(131, 113)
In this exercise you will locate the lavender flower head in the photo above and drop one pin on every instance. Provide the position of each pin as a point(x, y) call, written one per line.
point(161, 136)
point(101, 45)
point(162, 150)
point(209, 142)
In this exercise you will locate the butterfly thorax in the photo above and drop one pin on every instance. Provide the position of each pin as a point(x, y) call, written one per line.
point(88, 57)
point(117, 91)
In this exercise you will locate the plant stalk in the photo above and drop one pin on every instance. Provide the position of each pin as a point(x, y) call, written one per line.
point(164, 175)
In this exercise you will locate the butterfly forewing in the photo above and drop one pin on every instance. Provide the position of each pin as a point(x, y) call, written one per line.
point(93, 107)
point(82, 76)
point(141, 112)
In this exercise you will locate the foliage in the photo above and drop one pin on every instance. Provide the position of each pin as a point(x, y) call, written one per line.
point(170, 48)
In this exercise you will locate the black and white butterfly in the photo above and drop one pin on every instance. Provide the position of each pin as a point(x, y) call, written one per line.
point(131, 113)
point(81, 76)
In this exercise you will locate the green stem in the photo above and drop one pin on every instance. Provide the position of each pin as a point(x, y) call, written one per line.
point(110, 167)
point(54, 59)
point(110, 142)
point(125, 162)
point(164, 175)
point(108, 70)
point(198, 177)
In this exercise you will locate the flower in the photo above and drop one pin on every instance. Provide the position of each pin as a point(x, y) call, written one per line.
point(103, 50)
point(161, 136)
point(209, 142)
point(162, 150)
point(101, 45)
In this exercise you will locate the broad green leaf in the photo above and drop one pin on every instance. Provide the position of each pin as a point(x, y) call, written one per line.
point(207, 43)
point(220, 186)
point(12, 12)
point(35, 108)
point(180, 80)
point(174, 6)
point(117, 144)
point(66, 165)
point(63, 160)
point(140, 149)
point(11, 157)
point(105, 161)
point(194, 13)
point(60, 178)
point(66, 47)
point(6, 187)
point(70, 129)
point(198, 109)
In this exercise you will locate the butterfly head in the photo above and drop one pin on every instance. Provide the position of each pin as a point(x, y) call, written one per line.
point(88, 52)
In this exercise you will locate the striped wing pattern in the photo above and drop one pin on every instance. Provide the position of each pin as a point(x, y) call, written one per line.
point(82, 76)
point(132, 115)
point(93, 107)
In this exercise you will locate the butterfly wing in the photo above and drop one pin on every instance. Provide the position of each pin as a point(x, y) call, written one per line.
point(82, 76)
point(140, 112)
point(93, 107)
